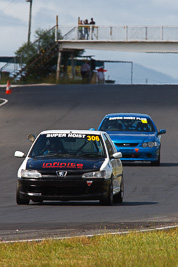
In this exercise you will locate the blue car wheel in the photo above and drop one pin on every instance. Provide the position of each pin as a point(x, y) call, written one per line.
point(157, 162)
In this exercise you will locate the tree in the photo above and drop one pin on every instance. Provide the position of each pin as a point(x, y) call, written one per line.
point(39, 59)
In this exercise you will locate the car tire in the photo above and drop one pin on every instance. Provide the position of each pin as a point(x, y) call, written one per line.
point(19, 200)
point(156, 163)
point(118, 198)
point(110, 198)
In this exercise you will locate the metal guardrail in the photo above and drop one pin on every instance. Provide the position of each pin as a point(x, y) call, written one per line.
point(120, 33)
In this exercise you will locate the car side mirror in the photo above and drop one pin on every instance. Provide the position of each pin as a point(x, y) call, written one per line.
point(117, 155)
point(92, 129)
point(162, 131)
point(19, 154)
point(31, 137)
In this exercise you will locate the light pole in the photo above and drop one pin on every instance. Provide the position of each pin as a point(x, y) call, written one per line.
point(29, 23)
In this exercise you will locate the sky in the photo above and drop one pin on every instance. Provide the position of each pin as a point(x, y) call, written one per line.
point(14, 18)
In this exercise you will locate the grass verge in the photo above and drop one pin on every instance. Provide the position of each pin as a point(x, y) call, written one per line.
point(49, 80)
point(157, 248)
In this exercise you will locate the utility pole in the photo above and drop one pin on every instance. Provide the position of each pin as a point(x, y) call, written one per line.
point(59, 52)
point(29, 22)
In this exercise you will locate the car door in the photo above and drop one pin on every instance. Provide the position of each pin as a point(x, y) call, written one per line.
point(116, 164)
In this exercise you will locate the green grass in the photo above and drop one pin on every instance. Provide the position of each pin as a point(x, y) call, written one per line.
point(134, 249)
point(50, 79)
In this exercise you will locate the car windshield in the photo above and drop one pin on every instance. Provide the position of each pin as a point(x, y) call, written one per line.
point(136, 124)
point(67, 145)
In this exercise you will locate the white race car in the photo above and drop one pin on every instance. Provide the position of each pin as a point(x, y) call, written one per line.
point(71, 165)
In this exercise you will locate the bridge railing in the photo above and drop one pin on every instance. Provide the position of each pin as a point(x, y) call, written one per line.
point(120, 33)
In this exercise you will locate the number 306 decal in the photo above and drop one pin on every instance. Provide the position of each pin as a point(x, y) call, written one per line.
point(93, 138)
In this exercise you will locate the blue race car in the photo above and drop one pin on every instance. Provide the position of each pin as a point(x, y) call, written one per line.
point(135, 135)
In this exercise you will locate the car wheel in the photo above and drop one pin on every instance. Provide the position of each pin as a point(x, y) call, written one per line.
point(118, 198)
point(156, 163)
point(19, 200)
point(110, 199)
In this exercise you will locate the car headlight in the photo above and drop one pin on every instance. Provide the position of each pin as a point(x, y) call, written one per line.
point(149, 144)
point(98, 174)
point(30, 174)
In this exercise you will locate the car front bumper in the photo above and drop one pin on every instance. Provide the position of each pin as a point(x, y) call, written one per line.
point(139, 154)
point(63, 189)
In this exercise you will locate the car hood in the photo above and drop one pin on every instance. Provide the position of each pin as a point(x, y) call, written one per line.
point(64, 164)
point(131, 137)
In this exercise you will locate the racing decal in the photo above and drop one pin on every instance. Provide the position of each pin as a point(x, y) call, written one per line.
point(74, 135)
point(122, 118)
point(56, 135)
point(93, 138)
point(89, 183)
point(62, 165)
point(143, 120)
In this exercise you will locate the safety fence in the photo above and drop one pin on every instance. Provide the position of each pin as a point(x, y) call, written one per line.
point(119, 33)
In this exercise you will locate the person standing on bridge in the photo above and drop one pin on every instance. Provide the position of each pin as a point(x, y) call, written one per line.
point(80, 27)
point(86, 29)
point(92, 22)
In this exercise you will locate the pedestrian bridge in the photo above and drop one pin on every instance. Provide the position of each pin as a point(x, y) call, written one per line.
point(145, 39)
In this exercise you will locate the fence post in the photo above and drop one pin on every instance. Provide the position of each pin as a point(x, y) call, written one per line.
point(126, 32)
point(77, 33)
point(56, 31)
point(162, 33)
point(91, 32)
point(97, 32)
point(146, 33)
point(110, 33)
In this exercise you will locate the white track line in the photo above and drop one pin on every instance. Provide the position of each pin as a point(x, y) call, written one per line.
point(5, 101)
point(114, 233)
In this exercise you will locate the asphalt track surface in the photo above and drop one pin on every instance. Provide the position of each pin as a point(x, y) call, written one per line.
point(151, 193)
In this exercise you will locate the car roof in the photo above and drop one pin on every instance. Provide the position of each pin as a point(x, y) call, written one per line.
point(127, 115)
point(72, 131)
